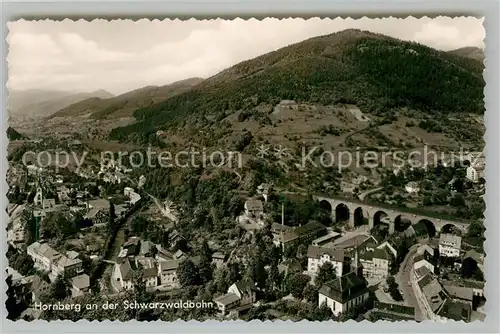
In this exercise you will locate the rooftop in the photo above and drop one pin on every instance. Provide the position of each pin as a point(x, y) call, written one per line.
point(327, 237)
point(468, 283)
point(316, 252)
point(245, 286)
point(169, 265)
point(450, 239)
point(126, 270)
point(254, 205)
point(276, 228)
point(218, 255)
point(349, 242)
point(227, 299)
point(459, 292)
point(289, 266)
point(455, 310)
point(425, 249)
point(81, 281)
point(377, 253)
point(45, 250)
point(478, 257)
point(309, 228)
point(422, 271)
point(434, 293)
point(344, 288)
point(99, 203)
point(146, 247)
point(63, 261)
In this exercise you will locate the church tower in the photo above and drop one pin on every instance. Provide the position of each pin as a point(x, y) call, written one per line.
point(357, 267)
point(38, 200)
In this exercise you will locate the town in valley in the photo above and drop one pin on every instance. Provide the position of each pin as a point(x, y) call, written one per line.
point(268, 234)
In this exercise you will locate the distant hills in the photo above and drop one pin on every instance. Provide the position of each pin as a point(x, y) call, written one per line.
point(125, 104)
point(377, 73)
point(43, 103)
point(470, 52)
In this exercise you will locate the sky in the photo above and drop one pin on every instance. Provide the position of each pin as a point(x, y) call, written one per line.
point(123, 55)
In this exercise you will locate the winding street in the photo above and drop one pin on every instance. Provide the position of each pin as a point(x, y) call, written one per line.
point(403, 277)
point(362, 195)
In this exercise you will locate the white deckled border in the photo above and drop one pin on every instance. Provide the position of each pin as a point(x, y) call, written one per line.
point(304, 9)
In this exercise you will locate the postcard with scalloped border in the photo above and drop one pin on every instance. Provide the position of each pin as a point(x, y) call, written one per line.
point(319, 169)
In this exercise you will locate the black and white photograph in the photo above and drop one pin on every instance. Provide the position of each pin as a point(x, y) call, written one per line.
point(244, 169)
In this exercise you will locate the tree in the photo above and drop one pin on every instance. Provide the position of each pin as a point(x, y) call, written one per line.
point(112, 216)
point(326, 273)
point(475, 229)
point(394, 289)
point(56, 224)
point(296, 283)
point(256, 272)
point(14, 304)
point(30, 226)
point(205, 263)
point(311, 293)
point(276, 255)
point(322, 313)
point(188, 273)
point(301, 251)
point(234, 272)
point(60, 288)
point(236, 205)
point(22, 263)
point(478, 275)
point(139, 224)
point(222, 279)
point(274, 277)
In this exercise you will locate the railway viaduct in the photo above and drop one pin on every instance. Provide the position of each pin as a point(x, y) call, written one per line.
point(357, 211)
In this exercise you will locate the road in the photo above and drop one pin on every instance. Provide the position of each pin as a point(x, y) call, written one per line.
point(368, 192)
point(403, 277)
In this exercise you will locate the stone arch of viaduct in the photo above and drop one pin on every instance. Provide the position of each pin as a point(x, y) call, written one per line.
point(371, 212)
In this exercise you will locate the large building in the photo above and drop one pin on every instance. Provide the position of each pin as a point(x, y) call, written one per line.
point(167, 271)
point(318, 256)
point(376, 263)
point(449, 245)
point(344, 293)
point(50, 260)
point(303, 234)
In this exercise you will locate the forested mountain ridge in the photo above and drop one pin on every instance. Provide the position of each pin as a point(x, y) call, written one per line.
point(378, 74)
point(470, 52)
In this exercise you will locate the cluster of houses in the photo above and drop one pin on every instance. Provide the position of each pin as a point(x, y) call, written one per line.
point(444, 298)
point(253, 217)
point(112, 172)
point(155, 264)
point(358, 259)
point(42, 177)
point(95, 211)
point(55, 264)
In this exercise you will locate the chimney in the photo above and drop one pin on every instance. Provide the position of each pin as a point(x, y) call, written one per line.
point(282, 213)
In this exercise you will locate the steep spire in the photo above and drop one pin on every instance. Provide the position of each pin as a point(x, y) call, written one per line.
point(357, 267)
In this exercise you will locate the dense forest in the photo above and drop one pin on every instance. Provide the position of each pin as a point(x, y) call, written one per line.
point(377, 73)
